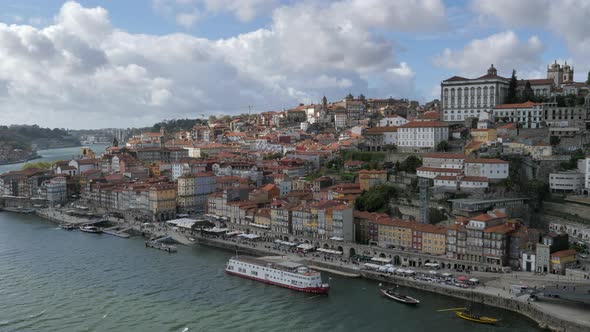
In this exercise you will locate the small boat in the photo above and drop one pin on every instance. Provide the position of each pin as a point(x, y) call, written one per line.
point(90, 229)
point(68, 227)
point(467, 315)
point(392, 294)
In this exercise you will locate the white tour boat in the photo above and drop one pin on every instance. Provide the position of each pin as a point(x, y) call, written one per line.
point(281, 273)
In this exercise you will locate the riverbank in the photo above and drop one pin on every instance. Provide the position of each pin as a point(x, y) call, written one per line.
point(555, 317)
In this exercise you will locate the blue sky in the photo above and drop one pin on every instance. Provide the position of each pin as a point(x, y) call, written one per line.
point(173, 58)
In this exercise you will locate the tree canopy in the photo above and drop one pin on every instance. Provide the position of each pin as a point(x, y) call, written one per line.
point(377, 199)
point(443, 146)
point(511, 97)
point(176, 124)
point(409, 165)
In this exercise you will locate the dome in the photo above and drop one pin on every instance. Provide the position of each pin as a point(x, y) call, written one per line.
point(492, 70)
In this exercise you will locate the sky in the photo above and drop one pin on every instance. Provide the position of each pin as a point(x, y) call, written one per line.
point(112, 63)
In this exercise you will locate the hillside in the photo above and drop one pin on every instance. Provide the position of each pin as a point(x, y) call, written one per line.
point(24, 137)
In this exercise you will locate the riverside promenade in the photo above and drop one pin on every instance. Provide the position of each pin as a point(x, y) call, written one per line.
point(495, 289)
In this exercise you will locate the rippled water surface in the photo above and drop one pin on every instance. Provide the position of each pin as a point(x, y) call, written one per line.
point(57, 280)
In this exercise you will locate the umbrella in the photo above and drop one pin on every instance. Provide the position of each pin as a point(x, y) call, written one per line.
point(462, 278)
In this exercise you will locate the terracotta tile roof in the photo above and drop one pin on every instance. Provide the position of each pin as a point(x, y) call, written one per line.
point(490, 216)
point(445, 155)
point(528, 104)
point(564, 253)
point(378, 130)
point(456, 78)
point(439, 169)
point(501, 229)
point(424, 124)
point(485, 161)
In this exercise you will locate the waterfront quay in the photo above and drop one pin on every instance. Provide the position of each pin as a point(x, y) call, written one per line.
point(494, 288)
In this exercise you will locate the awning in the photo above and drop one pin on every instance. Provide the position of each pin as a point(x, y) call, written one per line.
point(285, 243)
point(372, 266)
point(381, 259)
point(433, 272)
point(216, 230)
point(305, 246)
point(234, 233)
point(474, 280)
point(446, 274)
point(337, 238)
point(259, 226)
point(249, 236)
point(330, 251)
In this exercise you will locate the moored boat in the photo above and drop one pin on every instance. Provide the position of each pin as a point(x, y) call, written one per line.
point(90, 229)
point(467, 315)
point(392, 294)
point(281, 273)
point(68, 227)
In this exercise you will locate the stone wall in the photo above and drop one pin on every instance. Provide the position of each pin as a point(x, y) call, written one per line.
point(545, 320)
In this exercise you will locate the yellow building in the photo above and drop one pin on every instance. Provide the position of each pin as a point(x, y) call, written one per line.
point(371, 178)
point(484, 135)
point(433, 239)
point(154, 170)
point(562, 259)
point(87, 153)
point(262, 219)
point(394, 232)
point(472, 146)
point(162, 200)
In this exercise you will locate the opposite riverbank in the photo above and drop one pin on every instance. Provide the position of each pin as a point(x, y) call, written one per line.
point(555, 317)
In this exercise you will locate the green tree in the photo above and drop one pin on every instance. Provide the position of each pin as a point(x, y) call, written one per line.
point(443, 146)
point(573, 162)
point(511, 97)
point(376, 199)
point(212, 118)
point(39, 164)
point(390, 147)
point(528, 93)
point(410, 164)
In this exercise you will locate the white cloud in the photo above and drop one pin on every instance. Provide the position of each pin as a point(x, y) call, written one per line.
point(243, 10)
point(505, 50)
point(568, 19)
point(81, 71)
point(187, 20)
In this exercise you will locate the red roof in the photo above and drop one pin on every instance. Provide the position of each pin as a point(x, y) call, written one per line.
point(439, 169)
point(485, 161)
point(377, 130)
point(445, 155)
point(528, 104)
point(492, 215)
point(424, 124)
point(564, 253)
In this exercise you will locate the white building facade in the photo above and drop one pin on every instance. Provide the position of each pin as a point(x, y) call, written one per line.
point(464, 98)
point(490, 168)
point(421, 135)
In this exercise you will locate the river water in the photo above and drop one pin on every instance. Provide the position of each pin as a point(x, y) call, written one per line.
point(57, 280)
point(53, 155)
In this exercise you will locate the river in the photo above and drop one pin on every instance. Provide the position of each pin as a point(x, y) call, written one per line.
point(57, 280)
point(55, 154)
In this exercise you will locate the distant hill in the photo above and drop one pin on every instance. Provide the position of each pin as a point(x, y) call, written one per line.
point(177, 125)
point(25, 137)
